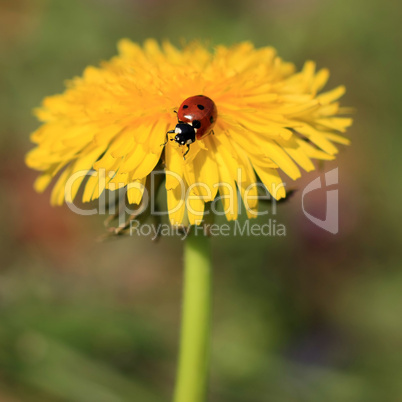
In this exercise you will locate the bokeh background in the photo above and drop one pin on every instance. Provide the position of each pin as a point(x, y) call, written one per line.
point(306, 317)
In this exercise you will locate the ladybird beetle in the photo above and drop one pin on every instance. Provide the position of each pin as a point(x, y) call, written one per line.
point(196, 118)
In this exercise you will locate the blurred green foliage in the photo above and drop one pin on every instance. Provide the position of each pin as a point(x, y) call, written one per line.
point(308, 317)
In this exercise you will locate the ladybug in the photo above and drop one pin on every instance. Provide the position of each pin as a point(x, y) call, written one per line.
point(196, 118)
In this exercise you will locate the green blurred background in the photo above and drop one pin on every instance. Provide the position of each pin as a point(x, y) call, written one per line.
point(309, 317)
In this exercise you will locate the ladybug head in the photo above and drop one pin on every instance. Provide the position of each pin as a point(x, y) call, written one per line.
point(185, 134)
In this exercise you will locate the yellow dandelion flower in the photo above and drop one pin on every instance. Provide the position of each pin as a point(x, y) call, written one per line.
point(114, 119)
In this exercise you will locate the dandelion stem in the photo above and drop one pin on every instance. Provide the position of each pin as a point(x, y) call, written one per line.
point(192, 374)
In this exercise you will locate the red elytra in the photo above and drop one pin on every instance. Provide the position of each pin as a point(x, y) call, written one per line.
point(196, 118)
point(200, 109)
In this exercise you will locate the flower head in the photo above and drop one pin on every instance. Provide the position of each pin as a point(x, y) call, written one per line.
point(114, 119)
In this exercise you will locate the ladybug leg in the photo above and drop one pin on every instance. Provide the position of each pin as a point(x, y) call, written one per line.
point(211, 132)
point(167, 137)
point(188, 150)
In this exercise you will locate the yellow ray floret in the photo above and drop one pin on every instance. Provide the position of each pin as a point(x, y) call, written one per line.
point(110, 124)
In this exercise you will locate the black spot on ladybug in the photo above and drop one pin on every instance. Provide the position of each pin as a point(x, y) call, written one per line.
point(200, 107)
point(196, 124)
point(211, 119)
point(185, 106)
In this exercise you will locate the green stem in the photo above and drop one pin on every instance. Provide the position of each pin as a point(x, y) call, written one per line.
point(192, 374)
